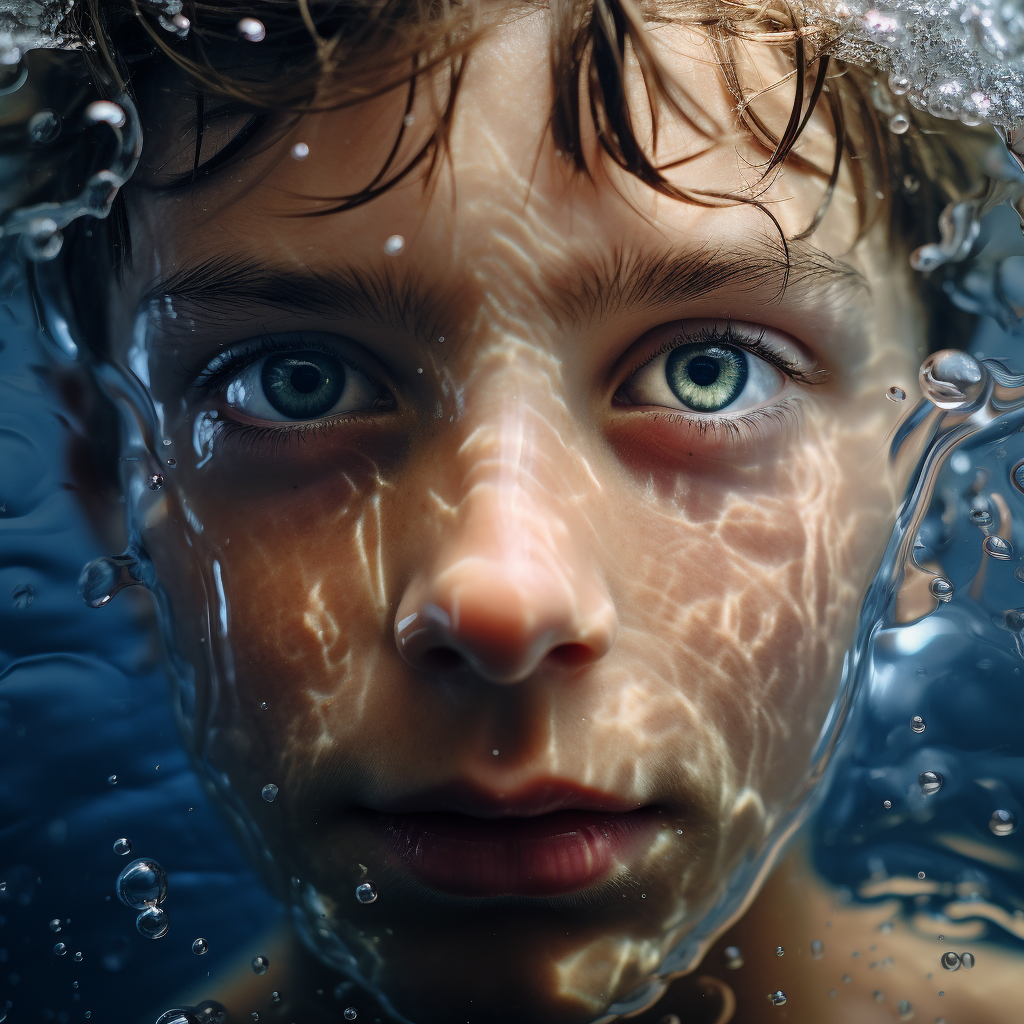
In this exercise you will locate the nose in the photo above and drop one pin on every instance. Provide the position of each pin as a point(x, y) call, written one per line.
point(512, 585)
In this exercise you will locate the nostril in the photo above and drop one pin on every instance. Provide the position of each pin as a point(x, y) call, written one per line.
point(441, 659)
point(571, 655)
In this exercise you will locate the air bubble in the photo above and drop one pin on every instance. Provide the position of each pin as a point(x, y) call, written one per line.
point(260, 965)
point(733, 957)
point(899, 123)
point(817, 949)
point(950, 379)
point(931, 782)
point(917, 724)
point(153, 923)
point(1002, 823)
point(55, 925)
point(350, 1013)
point(779, 951)
point(200, 946)
point(980, 517)
point(105, 112)
point(887, 804)
point(895, 394)
point(111, 780)
point(78, 957)
point(904, 1010)
point(997, 547)
point(777, 998)
point(122, 847)
point(366, 892)
point(264, 706)
point(60, 949)
point(155, 482)
point(899, 84)
point(300, 151)
point(394, 245)
point(252, 30)
point(143, 883)
point(43, 127)
point(941, 588)
point(966, 961)
point(950, 961)
point(269, 792)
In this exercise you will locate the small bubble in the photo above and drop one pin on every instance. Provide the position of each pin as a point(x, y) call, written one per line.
point(264, 706)
point(899, 84)
point(55, 925)
point(23, 595)
point(980, 517)
point(895, 394)
point(1003, 823)
point(817, 949)
point(60, 949)
point(941, 588)
point(904, 1009)
point(153, 923)
point(275, 997)
point(106, 112)
point(899, 123)
point(441, 340)
point(887, 804)
point(366, 892)
point(43, 127)
point(779, 951)
point(122, 847)
point(255, 1015)
point(917, 724)
point(997, 547)
point(156, 481)
point(951, 379)
point(419, 369)
point(930, 782)
point(777, 998)
point(260, 964)
point(111, 780)
point(166, 442)
point(172, 463)
point(394, 245)
point(733, 957)
point(269, 792)
point(879, 996)
point(143, 883)
point(200, 946)
point(921, 875)
point(950, 961)
point(966, 961)
point(78, 957)
point(300, 151)
point(350, 1013)
point(251, 29)
point(495, 753)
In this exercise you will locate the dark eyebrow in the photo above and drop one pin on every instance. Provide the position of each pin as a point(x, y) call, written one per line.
point(581, 292)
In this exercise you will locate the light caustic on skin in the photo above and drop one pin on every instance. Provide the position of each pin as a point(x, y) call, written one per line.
point(647, 606)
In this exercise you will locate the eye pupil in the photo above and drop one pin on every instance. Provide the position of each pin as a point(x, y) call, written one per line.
point(303, 385)
point(706, 377)
point(703, 371)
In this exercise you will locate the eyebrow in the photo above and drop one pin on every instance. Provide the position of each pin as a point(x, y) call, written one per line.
point(584, 291)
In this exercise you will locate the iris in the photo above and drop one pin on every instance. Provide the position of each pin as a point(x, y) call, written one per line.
point(303, 385)
point(707, 378)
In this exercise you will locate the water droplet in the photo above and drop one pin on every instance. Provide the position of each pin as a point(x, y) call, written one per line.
point(904, 1009)
point(156, 481)
point(122, 847)
point(251, 29)
point(779, 951)
point(269, 792)
point(941, 588)
point(111, 780)
point(172, 463)
point(777, 998)
point(951, 379)
point(899, 84)
point(1003, 823)
point(350, 1013)
point(153, 923)
point(260, 965)
point(997, 547)
point(143, 883)
point(104, 577)
point(366, 892)
point(950, 961)
point(917, 724)
point(887, 804)
point(931, 782)
point(966, 961)
point(103, 111)
point(60, 949)
point(394, 245)
point(895, 394)
point(55, 925)
point(300, 151)
point(733, 957)
point(899, 123)
point(200, 946)
point(23, 595)
point(980, 517)
point(817, 949)
point(43, 127)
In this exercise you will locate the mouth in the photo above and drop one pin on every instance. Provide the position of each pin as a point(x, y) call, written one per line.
point(549, 840)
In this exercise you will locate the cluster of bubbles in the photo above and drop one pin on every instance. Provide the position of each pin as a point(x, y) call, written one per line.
point(143, 887)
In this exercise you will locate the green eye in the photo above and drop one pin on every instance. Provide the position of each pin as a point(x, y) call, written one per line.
point(303, 385)
point(706, 378)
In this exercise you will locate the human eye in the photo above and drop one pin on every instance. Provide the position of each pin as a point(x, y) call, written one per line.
point(707, 368)
point(292, 379)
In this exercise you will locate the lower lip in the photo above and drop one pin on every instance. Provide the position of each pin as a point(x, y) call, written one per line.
point(548, 855)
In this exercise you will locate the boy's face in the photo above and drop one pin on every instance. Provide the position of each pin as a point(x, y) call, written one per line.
point(523, 560)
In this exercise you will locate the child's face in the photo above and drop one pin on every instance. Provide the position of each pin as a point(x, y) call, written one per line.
point(535, 615)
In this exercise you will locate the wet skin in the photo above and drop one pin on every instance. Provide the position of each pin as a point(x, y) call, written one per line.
point(544, 651)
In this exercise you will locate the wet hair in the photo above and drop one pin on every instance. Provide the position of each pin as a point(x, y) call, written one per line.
point(326, 54)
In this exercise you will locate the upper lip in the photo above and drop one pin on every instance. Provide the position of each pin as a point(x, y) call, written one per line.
point(529, 800)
